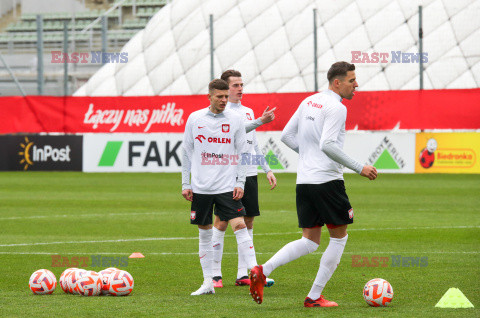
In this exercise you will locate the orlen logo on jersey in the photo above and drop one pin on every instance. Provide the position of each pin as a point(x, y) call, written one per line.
point(310, 103)
point(214, 140)
point(200, 138)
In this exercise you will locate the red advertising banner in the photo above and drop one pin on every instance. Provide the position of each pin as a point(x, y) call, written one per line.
point(428, 109)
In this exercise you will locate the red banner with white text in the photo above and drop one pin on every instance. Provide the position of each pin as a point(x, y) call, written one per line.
point(385, 110)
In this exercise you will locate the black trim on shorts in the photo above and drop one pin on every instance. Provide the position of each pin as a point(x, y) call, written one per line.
point(250, 197)
point(226, 208)
point(320, 204)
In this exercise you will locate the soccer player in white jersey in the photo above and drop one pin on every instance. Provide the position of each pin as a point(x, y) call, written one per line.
point(253, 160)
point(317, 132)
point(213, 141)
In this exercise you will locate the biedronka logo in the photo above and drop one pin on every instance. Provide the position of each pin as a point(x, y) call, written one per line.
point(26, 153)
point(433, 156)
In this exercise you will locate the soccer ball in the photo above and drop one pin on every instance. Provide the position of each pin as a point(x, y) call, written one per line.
point(72, 280)
point(42, 282)
point(90, 284)
point(378, 292)
point(426, 158)
point(105, 275)
point(120, 283)
point(64, 277)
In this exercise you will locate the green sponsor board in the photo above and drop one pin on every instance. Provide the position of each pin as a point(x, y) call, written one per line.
point(110, 153)
point(386, 161)
point(277, 166)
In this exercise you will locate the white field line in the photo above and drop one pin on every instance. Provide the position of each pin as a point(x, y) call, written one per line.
point(256, 234)
point(230, 253)
point(79, 215)
point(87, 215)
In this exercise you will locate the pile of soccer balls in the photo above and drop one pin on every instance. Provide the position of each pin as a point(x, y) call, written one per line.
point(110, 281)
point(378, 292)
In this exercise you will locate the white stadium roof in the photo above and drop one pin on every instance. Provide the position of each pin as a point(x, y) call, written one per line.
point(271, 43)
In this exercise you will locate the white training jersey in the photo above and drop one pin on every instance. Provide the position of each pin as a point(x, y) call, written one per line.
point(251, 148)
point(320, 118)
point(212, 143)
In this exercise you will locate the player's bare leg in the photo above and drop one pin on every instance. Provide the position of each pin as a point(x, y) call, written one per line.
point(328, 263)
point(205, 253)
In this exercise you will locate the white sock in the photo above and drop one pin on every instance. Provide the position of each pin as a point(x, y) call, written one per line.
point(288, 253)
point(328, 263)
point(242, 266)
point(245, 248)
point(205, 252)
point(217, 243)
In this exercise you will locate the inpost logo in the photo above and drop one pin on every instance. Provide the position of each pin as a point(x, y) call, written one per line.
point(25, 153)
point(30, 153)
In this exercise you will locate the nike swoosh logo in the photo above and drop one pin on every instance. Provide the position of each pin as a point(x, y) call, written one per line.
point(203, 256)
point(240, 210)
point(251, 247)
point(216, 245)
point(201, 127)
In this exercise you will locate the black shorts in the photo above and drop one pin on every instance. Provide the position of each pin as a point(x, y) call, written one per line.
point(250, 197)
point(326, 203)
point(226, 208)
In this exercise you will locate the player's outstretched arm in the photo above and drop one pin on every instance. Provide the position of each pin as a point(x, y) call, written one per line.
point(334, 152)
point(334, 120)
point(369, 172)
point(267, 116)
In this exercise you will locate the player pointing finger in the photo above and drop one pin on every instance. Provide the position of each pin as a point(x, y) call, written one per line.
point(268, 115)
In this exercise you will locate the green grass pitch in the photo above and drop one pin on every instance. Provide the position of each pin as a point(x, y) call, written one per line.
point(79, 214)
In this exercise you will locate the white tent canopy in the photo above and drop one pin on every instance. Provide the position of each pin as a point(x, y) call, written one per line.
point(271, 43)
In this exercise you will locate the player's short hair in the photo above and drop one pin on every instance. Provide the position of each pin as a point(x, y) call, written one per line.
point(217, 84)
point(230, 73)
point(339, 70)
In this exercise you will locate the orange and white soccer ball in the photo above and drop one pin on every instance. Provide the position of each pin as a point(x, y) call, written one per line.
point(64, 277)
point(72, 280)
point(90, 284)
point(105, 274)
point(378, 292)
point(42, 282)
point(120, 283)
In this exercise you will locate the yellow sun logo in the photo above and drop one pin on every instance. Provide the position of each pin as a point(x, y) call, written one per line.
point(26, 153)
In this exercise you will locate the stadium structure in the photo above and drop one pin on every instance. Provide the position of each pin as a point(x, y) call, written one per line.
point(272, 42)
